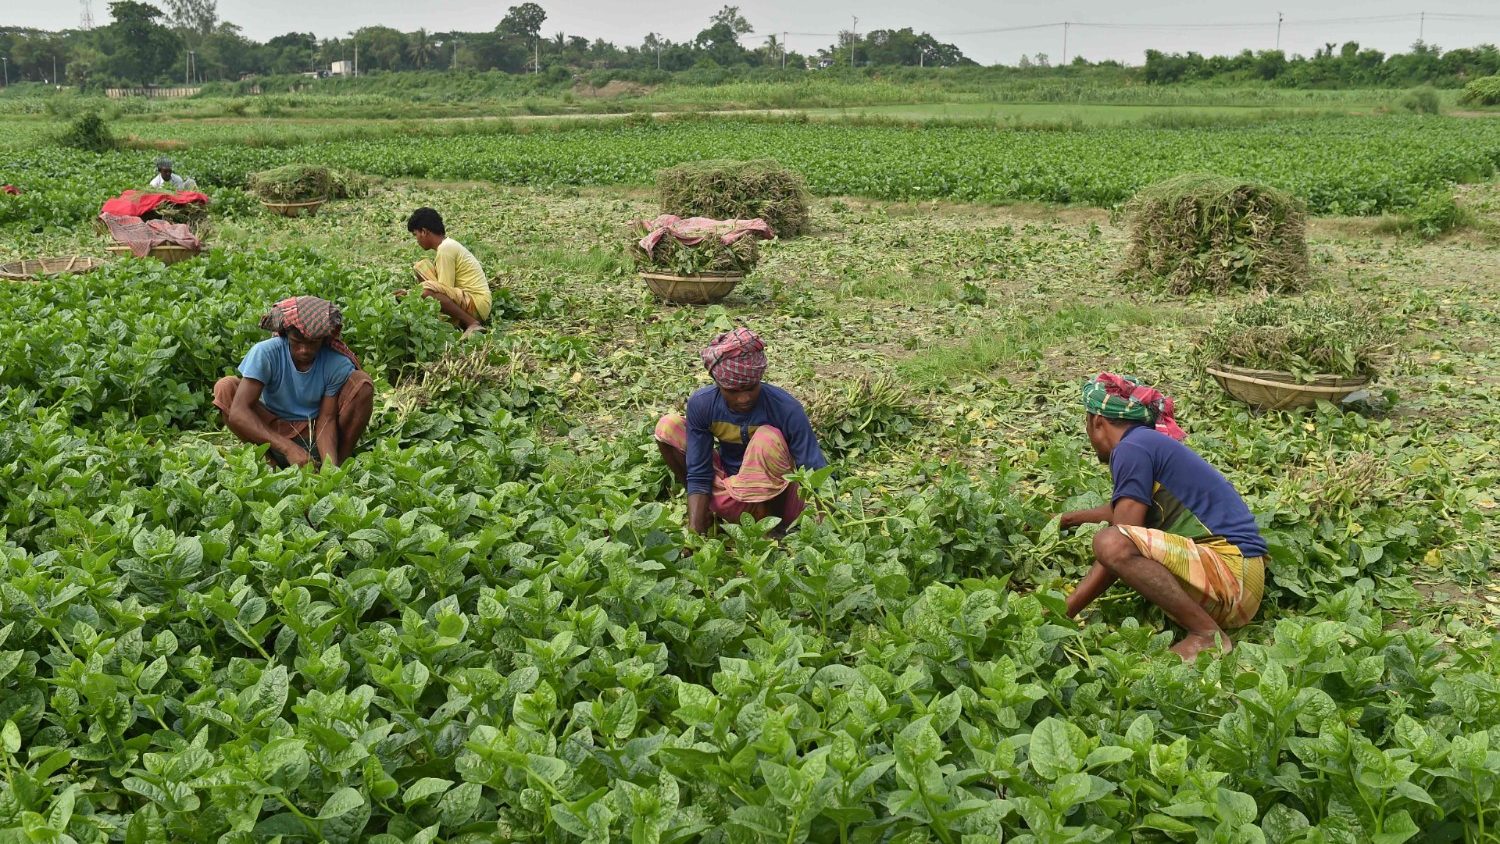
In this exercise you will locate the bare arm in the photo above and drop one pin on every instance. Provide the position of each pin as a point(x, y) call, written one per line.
point(1102, 513)
point(328, 429)
point(247, 425)
point(700, 517)
point(1127, 512)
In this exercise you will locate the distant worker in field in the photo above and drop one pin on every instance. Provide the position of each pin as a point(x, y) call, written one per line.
point(1178, 532)
point(762, 434)
point(453, 277)
point(302, 391)
point(165, 178)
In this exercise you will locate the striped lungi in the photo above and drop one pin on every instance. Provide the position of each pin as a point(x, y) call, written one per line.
point(762, 475)
point(1227, 584)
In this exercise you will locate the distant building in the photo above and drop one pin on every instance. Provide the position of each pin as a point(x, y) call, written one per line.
point(344, 68)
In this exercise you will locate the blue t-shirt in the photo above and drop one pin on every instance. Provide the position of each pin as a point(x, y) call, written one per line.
point(709, 418)
point(290, 394)
point(1186, 496)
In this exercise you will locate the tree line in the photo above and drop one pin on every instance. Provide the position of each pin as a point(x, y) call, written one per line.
point(187, 42)
point(1348, 66)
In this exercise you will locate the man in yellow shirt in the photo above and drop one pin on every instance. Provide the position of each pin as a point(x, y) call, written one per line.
point(453, 277)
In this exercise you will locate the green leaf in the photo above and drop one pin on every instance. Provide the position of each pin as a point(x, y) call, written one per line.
point(1108, 754)
point(1166, 824)
point(1051, 750)
point(10, 738)
point(424, 788)
point(459, 805)
point(341, 803)
point(1397, 828)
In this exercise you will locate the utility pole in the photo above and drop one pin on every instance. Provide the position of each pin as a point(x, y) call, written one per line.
point(455, 55)
point(536, 57)
point(1278, 31)
point(853, 35)
point(54, 68)
point(356, 53)
point(6, 61)
point(1065, 43)
point(783, 50)
point(1421, 25)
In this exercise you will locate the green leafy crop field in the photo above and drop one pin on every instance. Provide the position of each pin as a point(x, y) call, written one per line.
point(484, 627)
point(1338, 165)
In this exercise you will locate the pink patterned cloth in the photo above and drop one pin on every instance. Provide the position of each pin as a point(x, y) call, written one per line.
point(694, 230)
point(736, 360)
point(144, 235)
point(1159, 406)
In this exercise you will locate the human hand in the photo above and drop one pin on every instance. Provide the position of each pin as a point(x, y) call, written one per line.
point(296, 455)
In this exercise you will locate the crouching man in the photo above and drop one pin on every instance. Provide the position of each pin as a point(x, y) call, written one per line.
point(302, 391)
point(762, 436)
point(1179, 533)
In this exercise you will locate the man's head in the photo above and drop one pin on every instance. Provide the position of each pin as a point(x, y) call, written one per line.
point(164, 167)
point(741, 401)
point(426, 224)
point(307, 323)
point(1116, 403)
point(736, 360)
point(304, 349)
point(1104, 434)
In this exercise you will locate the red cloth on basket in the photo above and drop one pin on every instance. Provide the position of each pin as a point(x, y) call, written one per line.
point(144, 235)
point(133, 203)
point(10, 189)
point(694, 230)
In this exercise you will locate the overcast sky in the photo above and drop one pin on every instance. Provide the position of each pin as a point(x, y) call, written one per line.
point(1208, 26)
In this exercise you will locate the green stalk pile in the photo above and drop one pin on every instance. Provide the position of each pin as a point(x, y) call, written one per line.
point(1205, 232)
point(1305, 338)
point(736, 190)
point(188, 213)
point(292, 183)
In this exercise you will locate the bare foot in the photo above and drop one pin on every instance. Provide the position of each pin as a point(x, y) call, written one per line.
point(476, 328)
point(1194, 643)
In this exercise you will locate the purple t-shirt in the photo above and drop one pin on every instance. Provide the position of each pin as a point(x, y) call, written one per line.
point(1184, 494)
point(709, 419)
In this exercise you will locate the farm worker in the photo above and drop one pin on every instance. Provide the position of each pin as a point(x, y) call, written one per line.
point(453, 277)
point(166, 178)
point(1178, 532)
point(302, 391)
point(762, 435)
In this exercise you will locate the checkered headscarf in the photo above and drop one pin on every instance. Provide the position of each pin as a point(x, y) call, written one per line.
point(314, 318)
point(1121, 397)
point(736, 360)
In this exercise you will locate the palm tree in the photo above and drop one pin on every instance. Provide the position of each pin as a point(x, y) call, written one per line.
point(422, 48)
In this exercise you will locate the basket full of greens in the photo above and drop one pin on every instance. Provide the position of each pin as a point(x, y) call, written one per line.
point(1280, 353)
point(695, 260)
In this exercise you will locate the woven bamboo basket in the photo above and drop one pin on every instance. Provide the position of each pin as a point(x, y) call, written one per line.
point(32, 269)
point(294, 209)
point(702, 289)
point(1273, 390)
point(165, 253)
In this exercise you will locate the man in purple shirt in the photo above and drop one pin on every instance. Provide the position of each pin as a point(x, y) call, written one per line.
point(762, 435)
point(1179, 533)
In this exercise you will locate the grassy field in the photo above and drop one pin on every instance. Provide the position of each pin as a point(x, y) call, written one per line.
point(1338, 164)
point(484, 627)
point(1028, 114)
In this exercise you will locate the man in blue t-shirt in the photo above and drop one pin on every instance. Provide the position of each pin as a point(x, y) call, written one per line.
point(1179, 532)
point(302, 391)
point(762, 434)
